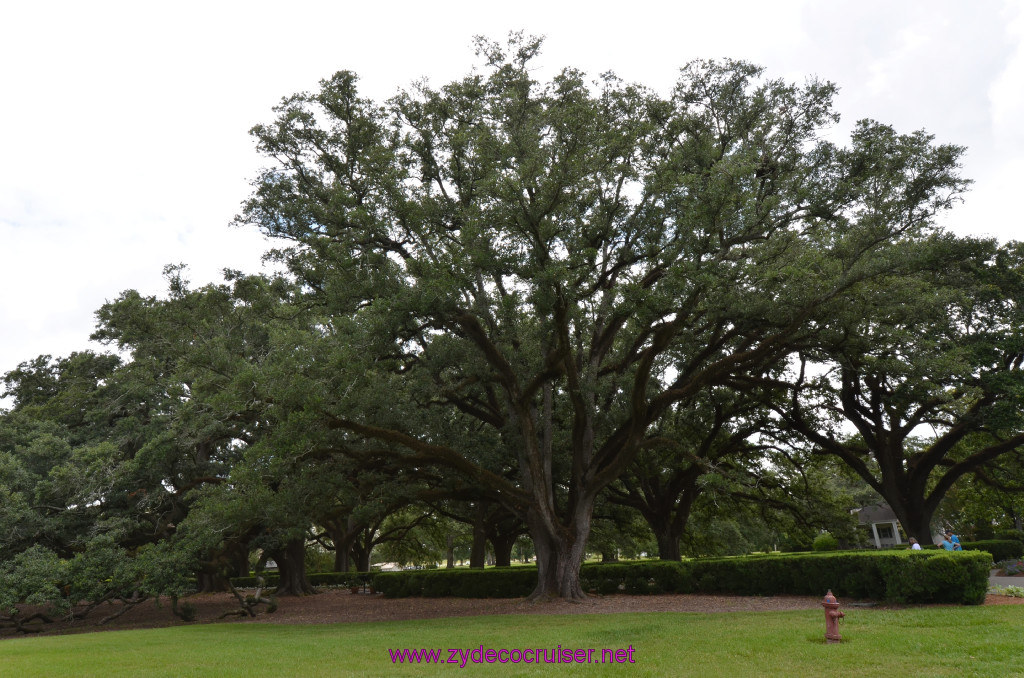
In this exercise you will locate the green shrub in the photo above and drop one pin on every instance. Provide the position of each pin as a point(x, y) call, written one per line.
point(825, 542)
point(1014, 535)
point(501, 582)
point(638, 578)
point(897, 576)
point(335, 578)
point(1001, 549)
point(1013, 591)
point(269, 580)
point(942, 577)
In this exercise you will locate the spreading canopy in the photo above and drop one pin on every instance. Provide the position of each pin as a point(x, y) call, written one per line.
point(563, 263)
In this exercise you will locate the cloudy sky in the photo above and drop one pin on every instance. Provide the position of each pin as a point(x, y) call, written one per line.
point(124, 126)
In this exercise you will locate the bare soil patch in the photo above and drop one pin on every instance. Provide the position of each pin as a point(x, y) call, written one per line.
point(1003, 600)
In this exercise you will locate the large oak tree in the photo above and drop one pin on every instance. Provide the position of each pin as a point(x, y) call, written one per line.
point(564, 263)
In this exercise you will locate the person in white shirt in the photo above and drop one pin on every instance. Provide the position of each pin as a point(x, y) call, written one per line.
point(914, 546)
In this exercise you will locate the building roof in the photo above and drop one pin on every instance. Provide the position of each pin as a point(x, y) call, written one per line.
point(875, 513)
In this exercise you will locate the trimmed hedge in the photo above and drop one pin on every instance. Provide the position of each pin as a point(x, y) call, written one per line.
point(638, 578)
point(270, 579)
point(1001, 549)
point(894, 576)
point(499, 582)
point(1015, 535)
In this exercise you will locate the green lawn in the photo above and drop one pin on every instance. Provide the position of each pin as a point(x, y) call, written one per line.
point(975, 641)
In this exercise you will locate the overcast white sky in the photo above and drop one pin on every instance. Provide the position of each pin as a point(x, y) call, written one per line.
point(124, 126)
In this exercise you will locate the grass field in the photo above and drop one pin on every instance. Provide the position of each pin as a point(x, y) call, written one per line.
point(972, 641)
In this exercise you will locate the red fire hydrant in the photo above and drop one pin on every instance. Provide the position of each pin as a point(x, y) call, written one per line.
point(832, 617)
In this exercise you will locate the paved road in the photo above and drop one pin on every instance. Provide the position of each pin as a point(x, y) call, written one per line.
point(993, 580)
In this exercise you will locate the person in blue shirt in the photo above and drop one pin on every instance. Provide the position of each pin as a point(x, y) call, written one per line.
point(945, 543)
point(954, 540)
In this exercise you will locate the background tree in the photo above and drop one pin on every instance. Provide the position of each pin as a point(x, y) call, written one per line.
point(943, 357)
point(714, 434)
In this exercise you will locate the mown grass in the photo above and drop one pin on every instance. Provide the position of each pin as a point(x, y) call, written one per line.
point(974, 641)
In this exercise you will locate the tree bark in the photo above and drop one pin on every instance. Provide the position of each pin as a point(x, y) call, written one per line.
point(559, 556)
point(916, 520)
point(362, 547)
point(291, 567)
point(451, 551)
point(503, 548)
point(342, 535)
point(241, 564)
point(342, 558)
point(669, 524)
point(211, 582)
point(478, 551)
point(668, 545)
point(232, 561)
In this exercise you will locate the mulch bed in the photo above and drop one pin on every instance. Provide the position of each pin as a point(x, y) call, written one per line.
point(340, 606)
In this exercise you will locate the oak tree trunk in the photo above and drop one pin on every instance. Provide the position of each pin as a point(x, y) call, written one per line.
point(342, 538)
point(478, 551)
point(915, 519)
point(361, 555)
point(211, 582)
point(668, 545)
point(503, 548)
point(559, 556)
point(342, 559)
point(291, 567)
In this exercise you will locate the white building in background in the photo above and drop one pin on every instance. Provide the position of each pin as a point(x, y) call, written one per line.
point(880, 522)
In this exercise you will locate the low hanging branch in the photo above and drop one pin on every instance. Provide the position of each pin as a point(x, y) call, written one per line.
point(17, 622)
point(249, 605)
point(126, 604)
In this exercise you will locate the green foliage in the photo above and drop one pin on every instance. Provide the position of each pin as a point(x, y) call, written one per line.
point(516, 281)
point(319, 560)
point(1001, 549)
point(270, 579)
point(895, 576)
point(1012, 591)
point(796, 542)
point(36, 576)
point(937, 344)
point(333, 578)
point(825, 542)
point(1017, 535)
point(711, 534)
point(637, 578)
point(500, 582)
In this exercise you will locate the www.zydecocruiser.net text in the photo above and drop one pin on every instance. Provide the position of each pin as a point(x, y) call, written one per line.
point(479, 655)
